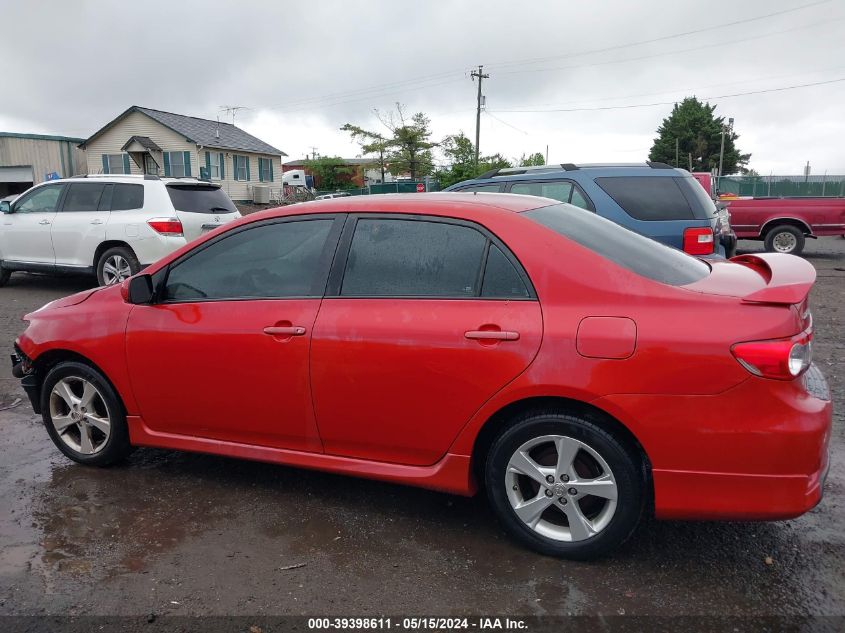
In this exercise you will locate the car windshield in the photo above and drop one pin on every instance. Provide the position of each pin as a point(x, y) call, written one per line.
point(200, 199)
point(639, 254)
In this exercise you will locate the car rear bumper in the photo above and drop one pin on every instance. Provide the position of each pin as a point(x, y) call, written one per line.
point(757, 451)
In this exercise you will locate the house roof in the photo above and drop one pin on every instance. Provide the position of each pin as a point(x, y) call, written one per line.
point(203, 132)
point(144, 141)
point(41, 137)
point(303, 162)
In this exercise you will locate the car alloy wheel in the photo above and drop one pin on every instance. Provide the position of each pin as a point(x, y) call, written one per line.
point(561, 488)
point(80, 415)
point(116, 269)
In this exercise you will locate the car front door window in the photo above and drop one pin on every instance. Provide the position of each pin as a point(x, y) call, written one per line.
point(41, 201)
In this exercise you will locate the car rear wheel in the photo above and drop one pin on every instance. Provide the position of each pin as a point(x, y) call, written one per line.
point(785, 239)
point(83, 415)
point(5, 274)
point(564, 486)
point(115, 265)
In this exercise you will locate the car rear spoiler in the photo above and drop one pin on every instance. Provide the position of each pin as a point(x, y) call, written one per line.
point(788, 278)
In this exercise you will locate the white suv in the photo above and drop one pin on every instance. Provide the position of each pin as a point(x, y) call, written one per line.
point(109, 225)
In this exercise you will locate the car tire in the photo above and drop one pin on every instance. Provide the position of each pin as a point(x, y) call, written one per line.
point(785, 238)
point(116, 264)
point(94, 431)
point(5, 274)
point(571, 524)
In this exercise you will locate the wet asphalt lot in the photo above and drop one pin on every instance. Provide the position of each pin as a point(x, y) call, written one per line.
point(185, 534)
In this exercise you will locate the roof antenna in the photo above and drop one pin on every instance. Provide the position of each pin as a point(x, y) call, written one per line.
point(232, 110)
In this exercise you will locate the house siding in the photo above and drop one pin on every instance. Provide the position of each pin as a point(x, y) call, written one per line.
point(138, 124)
point(44, 156)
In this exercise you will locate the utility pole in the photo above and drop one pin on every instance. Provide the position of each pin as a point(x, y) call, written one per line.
point(313, 153)
point(481, 76)
point(725, 128)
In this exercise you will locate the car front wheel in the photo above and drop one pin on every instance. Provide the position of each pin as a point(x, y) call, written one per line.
point(785, 239)
point(83, 415)
point(564, 486)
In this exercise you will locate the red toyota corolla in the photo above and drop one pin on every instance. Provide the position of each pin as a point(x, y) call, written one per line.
point(573, 369)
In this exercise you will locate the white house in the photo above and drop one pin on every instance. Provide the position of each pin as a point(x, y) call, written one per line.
point(147, 141)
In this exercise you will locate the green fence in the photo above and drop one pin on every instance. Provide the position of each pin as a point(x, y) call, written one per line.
point(783, 186)
point(388, 187)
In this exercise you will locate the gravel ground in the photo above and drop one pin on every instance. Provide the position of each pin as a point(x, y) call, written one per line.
point(183, 534)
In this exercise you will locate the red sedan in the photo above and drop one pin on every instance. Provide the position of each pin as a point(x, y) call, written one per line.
point(575, 370)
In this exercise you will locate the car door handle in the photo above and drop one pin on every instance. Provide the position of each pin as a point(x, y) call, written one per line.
point(284, 330)
point(96, 221)
point(492, 335)
point(44, 222)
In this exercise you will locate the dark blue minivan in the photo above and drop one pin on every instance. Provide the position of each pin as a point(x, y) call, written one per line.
point(653, 199)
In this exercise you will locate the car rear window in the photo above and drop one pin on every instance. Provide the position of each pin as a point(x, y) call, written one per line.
point(653, 198)
point(641, 255)
point(200, 199)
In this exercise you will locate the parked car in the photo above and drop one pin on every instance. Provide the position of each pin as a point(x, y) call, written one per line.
point(111, 226)
point(653, 199)
point(430, 340)
point(783, 224)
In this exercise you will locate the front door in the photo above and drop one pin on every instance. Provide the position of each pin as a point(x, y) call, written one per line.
point(25, 233)
point(80, 225)
point(224, 353)
point(430, 319)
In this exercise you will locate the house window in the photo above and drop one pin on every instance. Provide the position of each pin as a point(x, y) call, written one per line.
point(150, 166)
point(177, 164)
point(241, 165)
point(265, 169)
point(214, 161)
point(115, 163)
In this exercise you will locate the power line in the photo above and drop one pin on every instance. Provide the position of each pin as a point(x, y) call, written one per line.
point(662, 103)
point(338, 98)
point(662, 38)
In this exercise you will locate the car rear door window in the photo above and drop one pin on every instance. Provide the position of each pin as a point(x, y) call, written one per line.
point(501, 278)
point(268, 261)
point(579, 200)
point(489, 188)
point(126, 197)
point(648, 198)
point(413, 258)
point(554, 189)
point(200, 199)
point(84, 196)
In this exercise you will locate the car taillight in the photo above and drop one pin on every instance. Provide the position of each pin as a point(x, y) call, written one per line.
point(166, 226)
point(698, 241)
point(781, 359)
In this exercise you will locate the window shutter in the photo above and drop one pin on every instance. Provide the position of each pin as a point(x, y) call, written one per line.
point(235, 167)
point(187, 164)
point(246, 159)
point(208, 164)
point(260, 170)
point(126, 169)
point(221, 166)
point(271, 169)
point(167, 164)
point(105, 163)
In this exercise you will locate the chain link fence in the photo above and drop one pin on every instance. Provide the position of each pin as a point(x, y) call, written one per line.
point(783, 186)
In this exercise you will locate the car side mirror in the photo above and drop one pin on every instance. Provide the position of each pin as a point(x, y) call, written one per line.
point(5, 206)
point(140, 290)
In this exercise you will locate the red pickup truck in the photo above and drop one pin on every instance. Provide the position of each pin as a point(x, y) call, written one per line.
point(782, 223)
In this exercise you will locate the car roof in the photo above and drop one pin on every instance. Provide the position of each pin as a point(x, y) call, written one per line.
point(410, 203)
point(577, 172)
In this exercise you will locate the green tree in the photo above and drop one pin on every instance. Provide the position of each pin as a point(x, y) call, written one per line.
point(330, 172)
point(698, 133)
point(459, 153)
point(533, 160)
point(372, 144)
point(407, 147)
point(495, 161)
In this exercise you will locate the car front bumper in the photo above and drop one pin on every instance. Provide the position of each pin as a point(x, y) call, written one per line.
point(22, 368)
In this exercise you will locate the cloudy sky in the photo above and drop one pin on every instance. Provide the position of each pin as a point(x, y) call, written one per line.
point(592, 79)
